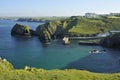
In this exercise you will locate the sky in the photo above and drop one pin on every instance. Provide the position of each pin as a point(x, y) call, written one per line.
point(57, 7)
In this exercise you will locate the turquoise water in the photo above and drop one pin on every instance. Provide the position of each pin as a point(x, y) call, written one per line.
point(22, 51)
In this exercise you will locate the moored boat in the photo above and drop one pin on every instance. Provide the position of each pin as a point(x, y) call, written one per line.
point(97, 51)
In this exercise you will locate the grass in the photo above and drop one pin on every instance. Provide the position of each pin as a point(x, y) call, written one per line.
point(8, 73)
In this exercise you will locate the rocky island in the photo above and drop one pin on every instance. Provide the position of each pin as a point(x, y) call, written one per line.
point(21, 30)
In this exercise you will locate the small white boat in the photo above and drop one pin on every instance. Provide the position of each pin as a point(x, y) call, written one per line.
point(97, 51)
point(94, 51)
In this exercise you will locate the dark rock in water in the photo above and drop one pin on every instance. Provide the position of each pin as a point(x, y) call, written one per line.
point(33, 32)
point(21, 30)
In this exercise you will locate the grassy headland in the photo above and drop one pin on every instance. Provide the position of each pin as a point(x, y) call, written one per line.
point(78, 26)
point(41, 19)
point(7, 72)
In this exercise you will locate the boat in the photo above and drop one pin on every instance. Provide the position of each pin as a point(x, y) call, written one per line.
point(97, 51)
point(94, 51)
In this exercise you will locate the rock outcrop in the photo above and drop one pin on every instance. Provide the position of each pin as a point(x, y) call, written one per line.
point(55, 29)
point(5, 65)
point(19, 29)
point(43, 33)
point(112, 41)
point(48, 31)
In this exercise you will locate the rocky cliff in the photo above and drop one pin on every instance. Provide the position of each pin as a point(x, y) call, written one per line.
point(112, 41)
point(19, 29)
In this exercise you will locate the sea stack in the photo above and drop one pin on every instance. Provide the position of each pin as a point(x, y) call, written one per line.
point(19, 29)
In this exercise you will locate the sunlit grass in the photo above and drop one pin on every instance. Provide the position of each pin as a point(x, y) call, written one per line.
point(8, 73)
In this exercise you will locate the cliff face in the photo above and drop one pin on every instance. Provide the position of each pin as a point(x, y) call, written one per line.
point(112, 41)
point(56, 29)
point(43, 34)
point(48, 31)
point(21, 30)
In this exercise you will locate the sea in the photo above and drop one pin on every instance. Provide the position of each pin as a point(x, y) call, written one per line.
point(30, 51)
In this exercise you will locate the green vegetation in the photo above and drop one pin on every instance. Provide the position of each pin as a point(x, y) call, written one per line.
point(8, 73)
point(113, 17)
point(91, 26)
point(88, 27)
point(5, 66)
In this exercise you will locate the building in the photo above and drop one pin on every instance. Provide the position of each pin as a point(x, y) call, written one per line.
point(114, 14)
point(114, 31)
point(91, 15)
point(103, 34)
point(66, 41)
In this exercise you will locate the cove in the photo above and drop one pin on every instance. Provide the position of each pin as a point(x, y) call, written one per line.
point(22, 51)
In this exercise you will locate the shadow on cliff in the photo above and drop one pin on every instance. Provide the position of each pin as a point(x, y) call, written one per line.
point(100, 63)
